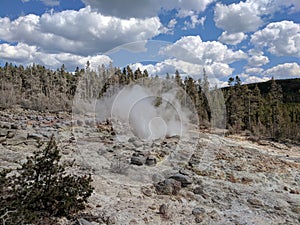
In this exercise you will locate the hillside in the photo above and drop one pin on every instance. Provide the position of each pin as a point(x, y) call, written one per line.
point(269, 109)
point(290, 89)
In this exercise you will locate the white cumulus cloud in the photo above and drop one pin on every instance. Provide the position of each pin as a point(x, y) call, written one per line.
point(257, 58)
point(286, 70)
point(254, 70)
point(194, 21)
point(17, 53)
point(281, 38)
point(26, 54)
point(248, 16)
point(214, 71)
point(82, 32)
point(193, 49)
point(255, 79)
point(238, 17)
point(232, 39)
point(143, 9)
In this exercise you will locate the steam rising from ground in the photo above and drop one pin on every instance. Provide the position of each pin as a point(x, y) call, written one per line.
point(148, 115)
point(149, 108)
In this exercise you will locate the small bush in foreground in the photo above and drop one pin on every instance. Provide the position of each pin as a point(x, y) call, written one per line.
point(41, 189)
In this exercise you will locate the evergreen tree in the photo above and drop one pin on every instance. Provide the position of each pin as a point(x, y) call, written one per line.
point(130, 74)
point(274, 100)
point(41, 188)
point(138, 74)
point(178, 79)
point(145, 73)
point(256, 104)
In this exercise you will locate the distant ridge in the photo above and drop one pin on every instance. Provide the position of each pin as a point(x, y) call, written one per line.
point(290, 89)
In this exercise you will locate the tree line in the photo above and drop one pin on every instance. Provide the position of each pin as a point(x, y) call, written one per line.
point(263, 109)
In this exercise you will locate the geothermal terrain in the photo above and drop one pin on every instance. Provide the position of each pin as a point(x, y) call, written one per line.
point(197, 178)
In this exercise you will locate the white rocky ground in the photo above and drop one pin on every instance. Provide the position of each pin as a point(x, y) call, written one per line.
point(202, 178)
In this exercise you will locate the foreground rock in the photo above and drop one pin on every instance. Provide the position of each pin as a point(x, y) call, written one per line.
point(168, 187)
point(184, 180)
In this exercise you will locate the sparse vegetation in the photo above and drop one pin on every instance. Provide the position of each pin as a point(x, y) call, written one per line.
point(41, 190)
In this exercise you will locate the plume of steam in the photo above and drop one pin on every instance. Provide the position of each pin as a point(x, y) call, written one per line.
point(148, 109)
point(137, 108)
point(148, 120)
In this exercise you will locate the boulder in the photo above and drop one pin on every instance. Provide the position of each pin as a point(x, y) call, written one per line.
point(2, 140)
point(198, 190)
point(168, 187)
point(3, 133)
point(137, 160)
point(255, 202)
point(198, 211)
point(14, 126)
point(34, 136)
point(10, 134)
point(183, 179)
point(151, 161)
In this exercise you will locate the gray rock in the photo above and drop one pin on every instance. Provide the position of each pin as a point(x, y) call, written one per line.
point(151, 161)
point(163, 209)
point(20, 137)
point(111, 220)
point(3, 133)
point(146, 191)
point(183, 179)
point(10, 134)
point(14, 126)
point(194, 160)
point(34, 136)
point(198, 190)
point(5, 125)
point(39, 118)
point(82, 221)
point(255, 202)
point(198, 211)
point(2, 140)
point(137, 160)
point(58, 125)
point(49, 118)
point(263, 142)
point(79, 123)
point(185, 172)
point(46, 134)
point(137, 144)
point(132, 139)
point(168, 187)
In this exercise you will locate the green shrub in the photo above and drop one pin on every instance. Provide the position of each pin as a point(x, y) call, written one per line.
point(41, 189)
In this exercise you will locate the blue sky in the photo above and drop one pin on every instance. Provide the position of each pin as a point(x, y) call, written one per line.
point(255, 39)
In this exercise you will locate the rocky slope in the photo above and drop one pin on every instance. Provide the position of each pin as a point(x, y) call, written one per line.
point(199, 178)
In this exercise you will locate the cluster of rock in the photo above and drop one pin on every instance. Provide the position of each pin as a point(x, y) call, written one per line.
point(220, 181)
